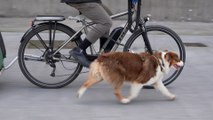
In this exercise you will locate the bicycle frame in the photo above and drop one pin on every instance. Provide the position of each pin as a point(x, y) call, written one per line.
point(86, 25)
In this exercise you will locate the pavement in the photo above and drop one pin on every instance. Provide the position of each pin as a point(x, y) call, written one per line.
point(21, 100)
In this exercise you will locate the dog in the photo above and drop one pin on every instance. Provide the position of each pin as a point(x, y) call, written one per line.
point(138, 69)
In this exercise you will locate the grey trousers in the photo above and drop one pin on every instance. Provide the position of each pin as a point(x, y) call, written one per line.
point(96, 13)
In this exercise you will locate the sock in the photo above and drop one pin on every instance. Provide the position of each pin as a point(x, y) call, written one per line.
point(85, 44)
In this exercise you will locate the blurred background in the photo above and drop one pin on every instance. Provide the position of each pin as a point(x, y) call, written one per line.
point(161, 10)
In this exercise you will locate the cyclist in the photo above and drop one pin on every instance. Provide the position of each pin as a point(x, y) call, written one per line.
point(93, 10)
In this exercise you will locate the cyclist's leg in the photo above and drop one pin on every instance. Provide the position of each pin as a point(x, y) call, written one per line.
point(96, 13)
point(100, 17)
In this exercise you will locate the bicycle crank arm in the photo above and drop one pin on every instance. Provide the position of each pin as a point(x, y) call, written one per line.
point(54, 68)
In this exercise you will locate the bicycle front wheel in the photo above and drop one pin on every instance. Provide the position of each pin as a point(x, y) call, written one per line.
point(36, 59)
point(161, 38)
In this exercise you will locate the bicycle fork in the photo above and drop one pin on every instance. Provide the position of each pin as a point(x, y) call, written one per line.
point(145, 37)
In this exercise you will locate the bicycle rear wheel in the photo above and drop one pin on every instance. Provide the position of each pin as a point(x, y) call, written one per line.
point(161, 38)
point(36, 59)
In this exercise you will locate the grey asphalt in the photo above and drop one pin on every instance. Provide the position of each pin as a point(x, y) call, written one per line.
point(21, 100)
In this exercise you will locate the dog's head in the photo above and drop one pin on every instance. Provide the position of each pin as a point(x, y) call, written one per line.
point(171, 59)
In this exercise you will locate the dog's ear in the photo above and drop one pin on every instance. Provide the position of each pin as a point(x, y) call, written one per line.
point(168, 56)
point(171, 56)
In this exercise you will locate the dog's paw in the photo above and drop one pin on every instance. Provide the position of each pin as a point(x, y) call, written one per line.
point(78, 96)
point(125, 100)
point(172, 97)
point(81, 92)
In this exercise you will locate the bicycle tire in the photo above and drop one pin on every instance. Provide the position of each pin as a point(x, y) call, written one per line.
point(36, 66)
point(172, 42)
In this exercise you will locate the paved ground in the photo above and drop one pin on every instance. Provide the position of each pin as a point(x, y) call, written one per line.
point(21, 100)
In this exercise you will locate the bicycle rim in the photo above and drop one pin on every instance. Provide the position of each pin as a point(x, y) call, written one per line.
point(160, 38)
point(37, 65)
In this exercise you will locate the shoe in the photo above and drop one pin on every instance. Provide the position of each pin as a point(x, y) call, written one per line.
point(80, 56)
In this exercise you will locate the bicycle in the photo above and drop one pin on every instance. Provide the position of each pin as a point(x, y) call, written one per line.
point(45, 46)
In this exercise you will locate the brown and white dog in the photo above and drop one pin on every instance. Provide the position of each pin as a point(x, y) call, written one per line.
point(138, 69)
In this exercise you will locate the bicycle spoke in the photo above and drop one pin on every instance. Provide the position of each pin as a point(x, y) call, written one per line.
point(31, 43)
